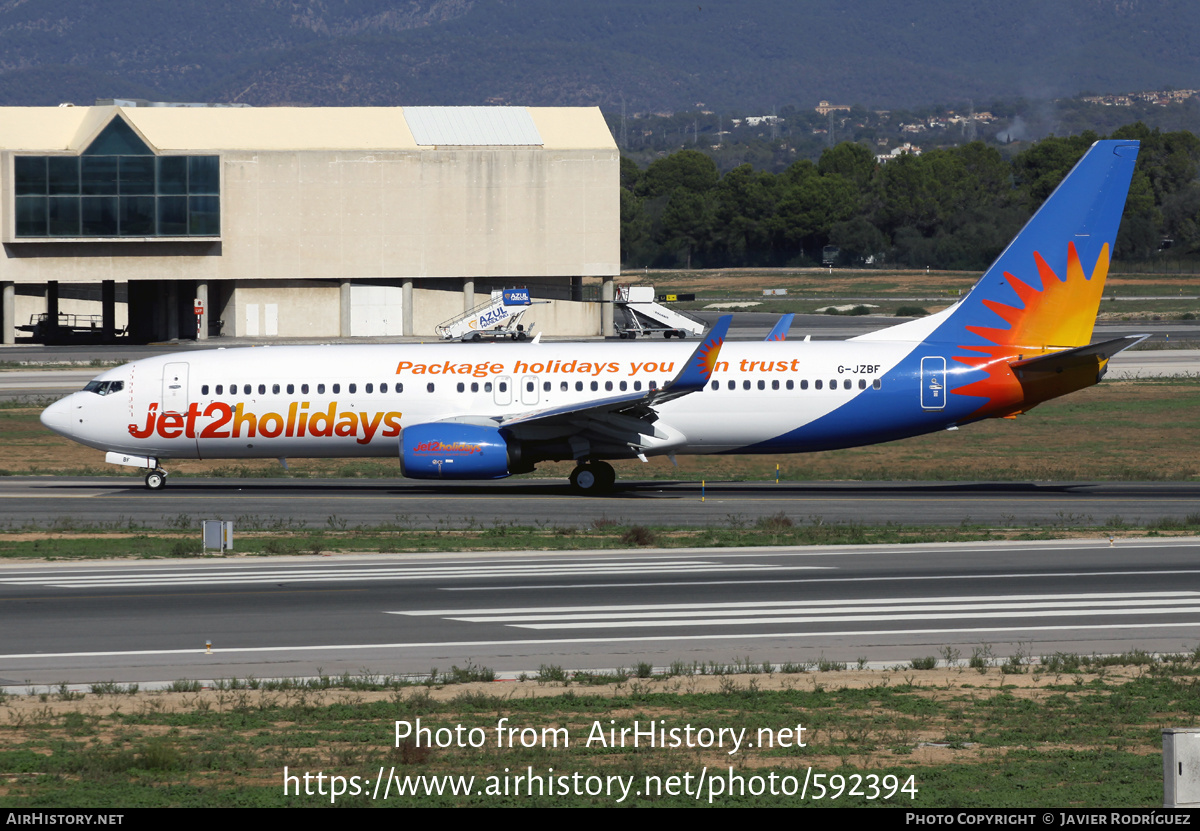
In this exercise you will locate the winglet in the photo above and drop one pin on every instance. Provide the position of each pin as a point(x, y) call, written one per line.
point(780, 331)
point(698, 368)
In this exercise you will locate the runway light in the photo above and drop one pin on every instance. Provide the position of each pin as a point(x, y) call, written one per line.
point(208, 647)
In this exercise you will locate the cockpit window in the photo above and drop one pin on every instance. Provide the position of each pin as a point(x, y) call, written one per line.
point(104, 387)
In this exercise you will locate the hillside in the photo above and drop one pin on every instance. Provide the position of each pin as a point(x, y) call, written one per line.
point(667, 55)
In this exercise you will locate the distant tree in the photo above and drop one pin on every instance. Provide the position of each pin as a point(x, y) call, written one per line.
point(853, 161)
point(688, 169)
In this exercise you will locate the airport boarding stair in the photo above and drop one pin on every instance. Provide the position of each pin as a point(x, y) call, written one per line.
point(640, 315)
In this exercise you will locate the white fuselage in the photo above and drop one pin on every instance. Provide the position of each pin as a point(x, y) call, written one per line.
point(353, 400)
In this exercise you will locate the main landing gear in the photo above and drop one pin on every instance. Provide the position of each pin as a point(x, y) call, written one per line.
point(156, 479)
point(592, 478)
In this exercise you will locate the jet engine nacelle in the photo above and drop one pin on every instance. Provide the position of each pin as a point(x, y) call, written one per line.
point(456, 451)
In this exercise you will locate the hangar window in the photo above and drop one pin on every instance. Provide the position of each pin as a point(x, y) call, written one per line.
point(117, 188)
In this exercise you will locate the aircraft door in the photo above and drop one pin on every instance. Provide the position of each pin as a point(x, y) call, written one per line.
point(503, 390)
point(175, 388)
point(933, 382)
point(529, 389)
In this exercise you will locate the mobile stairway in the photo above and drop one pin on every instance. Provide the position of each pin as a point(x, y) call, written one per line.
point(638, 315)
point(497, 318)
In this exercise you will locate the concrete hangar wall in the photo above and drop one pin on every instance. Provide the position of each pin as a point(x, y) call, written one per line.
point(303, 222)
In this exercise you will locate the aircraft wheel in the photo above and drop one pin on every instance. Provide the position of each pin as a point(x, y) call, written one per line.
point(593, 478)
point(156, 480)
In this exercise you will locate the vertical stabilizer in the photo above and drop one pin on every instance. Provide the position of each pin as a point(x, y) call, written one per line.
point(1042, 293)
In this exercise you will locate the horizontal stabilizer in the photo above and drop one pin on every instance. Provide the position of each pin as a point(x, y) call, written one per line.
point(1048, 376)
point(1090, 355)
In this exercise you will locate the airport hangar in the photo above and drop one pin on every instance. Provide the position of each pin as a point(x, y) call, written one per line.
point(304, 221)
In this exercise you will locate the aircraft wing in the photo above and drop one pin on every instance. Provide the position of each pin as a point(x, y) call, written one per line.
point(627, 419)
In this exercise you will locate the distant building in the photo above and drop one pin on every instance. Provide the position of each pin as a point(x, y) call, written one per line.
point(825, 108)
point(303, 222)
point(897, 152)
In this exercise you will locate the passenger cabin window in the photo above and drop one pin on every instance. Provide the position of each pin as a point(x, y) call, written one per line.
point(370, 388)
point(320, 389)
point(304, 389)
point(204, 389)
point(353, 388)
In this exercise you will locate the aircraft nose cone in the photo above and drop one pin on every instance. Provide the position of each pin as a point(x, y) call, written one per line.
point(57, 416)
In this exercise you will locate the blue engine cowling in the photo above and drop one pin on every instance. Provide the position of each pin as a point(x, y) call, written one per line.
point(456, 451)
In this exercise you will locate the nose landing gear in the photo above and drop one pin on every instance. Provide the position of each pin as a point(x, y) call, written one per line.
point(156, 479)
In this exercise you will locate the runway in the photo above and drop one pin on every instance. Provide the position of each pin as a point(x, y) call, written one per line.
point(330, 504)
point(515, 611)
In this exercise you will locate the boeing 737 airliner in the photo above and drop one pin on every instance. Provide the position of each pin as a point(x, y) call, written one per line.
point(1020, 337)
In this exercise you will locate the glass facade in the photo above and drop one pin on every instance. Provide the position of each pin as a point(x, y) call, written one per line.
point(117, 188)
